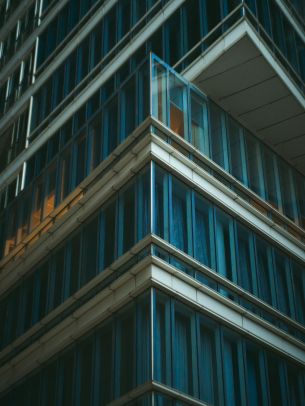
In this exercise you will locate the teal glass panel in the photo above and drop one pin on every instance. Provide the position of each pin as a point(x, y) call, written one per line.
point(254, 165)
point(125, 353)
point(178, 106)
point(245, 259)
point(184, 362)
point(284, 286)
point(237, 150)
point(204, 232)
point(162, 339)
point(105, 363)
point(127, 232)
point(160, 93)
point(231, 371)
point(264, 271)
point(84, 373)
point(225, 251)
point(271, 177)
point(218, 138)
point(128, 108)
point(207, 362)
point(298, 278)
point(276, 378)
point(199, 123)
point(161, 208)
point(89, 251)
point(66, 383)
point(254, 376)
point(288, 194)
point(181, 232)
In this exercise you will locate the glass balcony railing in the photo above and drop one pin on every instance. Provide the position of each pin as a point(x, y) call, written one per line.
point(191, 115)
point(103, 123)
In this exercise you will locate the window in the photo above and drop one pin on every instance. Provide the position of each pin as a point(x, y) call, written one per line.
point(109, 35)
point(85, 373)
point(299, 291)
point(237, 150)
point(183, 351)
point(276, 381)
point(284, 286)
point(110, 129)
point(288, 193)
point(264, 272)
point(125, 353)
point(56, 285)
point(204, 232)
point(173, 47)
point(208, 362)
point(254, 376)
point(180, 209)
point(37, 204)
point(162, 344)
point(65, 171)
point(218, 139)
point(128, 108)
point(199, 124)
point(126, 219)
point(161, 208)
point(74, 264)
point(124, 18)
point(26, 315)
point(89, 251)
point(177, 101)
point(108, 234)
point(245, 259)
point(66, 386)
point(41, 291)
point(105, 361)
point(49, 201)
point(80, 158)
point(254, 163)
point(296, 386)
point(271, 177)
point(94, 143)
point(159, 94)
point(48, 395)
point(232, 371)
point(143, 204)
point(225, 251)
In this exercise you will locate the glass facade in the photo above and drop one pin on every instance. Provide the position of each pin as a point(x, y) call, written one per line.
point(91, 249)
point(118, 108)
point(22, 29)
point(192, 354)
point(190, 222)
point(151, 246)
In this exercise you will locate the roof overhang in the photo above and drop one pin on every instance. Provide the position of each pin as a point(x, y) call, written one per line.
point(241, 74)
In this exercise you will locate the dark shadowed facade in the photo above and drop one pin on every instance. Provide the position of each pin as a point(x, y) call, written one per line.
point(152, 202)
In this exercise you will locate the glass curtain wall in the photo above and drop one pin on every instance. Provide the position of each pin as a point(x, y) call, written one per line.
point(187, 220)
point(121, 222)
point(74, 151)
point(192, 223)
point(193, 354)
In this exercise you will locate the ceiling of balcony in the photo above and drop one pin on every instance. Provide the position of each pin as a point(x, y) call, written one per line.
point(249, 83)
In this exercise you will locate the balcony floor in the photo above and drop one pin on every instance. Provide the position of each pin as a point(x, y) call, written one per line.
point(242, 75)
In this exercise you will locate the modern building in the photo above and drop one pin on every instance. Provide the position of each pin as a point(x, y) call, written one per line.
point(152, 202)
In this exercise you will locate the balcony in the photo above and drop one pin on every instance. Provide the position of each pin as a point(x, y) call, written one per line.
point(253, 65)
